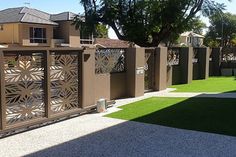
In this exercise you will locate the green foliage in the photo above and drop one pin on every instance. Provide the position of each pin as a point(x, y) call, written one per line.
point(233, 42)
point(101, 31)
point(212, 43)
point(195, 25)
point(144, 22)
point(214, 34)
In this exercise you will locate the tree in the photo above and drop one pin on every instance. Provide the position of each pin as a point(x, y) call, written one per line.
point(195, 25)
point(101, 31)
point(145, 22)
point(214, 33)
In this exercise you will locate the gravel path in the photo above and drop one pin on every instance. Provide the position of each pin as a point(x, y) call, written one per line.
point(95, 135)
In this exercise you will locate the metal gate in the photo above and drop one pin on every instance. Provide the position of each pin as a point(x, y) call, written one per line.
point(38, 86)
point(149, 69)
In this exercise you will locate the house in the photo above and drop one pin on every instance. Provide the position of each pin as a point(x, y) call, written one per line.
point(25, 26)
point(191, 39)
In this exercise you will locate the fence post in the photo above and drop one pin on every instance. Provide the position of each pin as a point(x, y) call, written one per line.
point(47, 84)
point(203, 56)
point(2, 95)
point(160, 68)
point(169, 72)
point(88, 78)
point(186, 64)
point(135, 59)
point(216, 61)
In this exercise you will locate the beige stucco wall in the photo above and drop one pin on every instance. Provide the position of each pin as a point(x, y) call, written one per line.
point(19, 33)
point(183, 39)
point(102, 86)
point(24, 34)
point(62, 31)
point(74, 36)
point(67, 31)
point(10, 34)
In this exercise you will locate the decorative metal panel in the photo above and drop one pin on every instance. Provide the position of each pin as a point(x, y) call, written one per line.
point(195, 55)
point(24, 77)
point(173, 56)
point(211, 56)
point(109, 61)
point(149, 69)
point(64, 75)
point(147, 56)
point(228, 54)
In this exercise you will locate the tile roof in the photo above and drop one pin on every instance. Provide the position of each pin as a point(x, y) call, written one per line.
point(111, 43)
point(30, 15)
point(65, 16)
point(185, 34)
point(11, 15)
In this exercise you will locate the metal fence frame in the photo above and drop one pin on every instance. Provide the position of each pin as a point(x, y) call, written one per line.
point(46, 87)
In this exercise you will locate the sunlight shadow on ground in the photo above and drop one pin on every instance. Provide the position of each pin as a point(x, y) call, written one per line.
point(139, 139)
point(212, 115)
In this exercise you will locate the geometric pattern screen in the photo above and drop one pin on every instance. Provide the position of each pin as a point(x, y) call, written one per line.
point(24, 93)
point(228, 54)
point(195, 55)
point(64, 76)
point(24, 84)
point(109, 61)
point(173, 56)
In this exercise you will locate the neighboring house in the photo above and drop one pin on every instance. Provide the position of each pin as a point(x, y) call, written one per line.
point(30, 27)
point(112, 43)
point(191, 39)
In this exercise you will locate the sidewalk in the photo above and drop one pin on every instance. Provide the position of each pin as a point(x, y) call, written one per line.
point(95, 135)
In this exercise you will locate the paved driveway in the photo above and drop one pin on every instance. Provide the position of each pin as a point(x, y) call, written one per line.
point(94, 135)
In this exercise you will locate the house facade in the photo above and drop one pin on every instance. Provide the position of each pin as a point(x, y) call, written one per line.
point(30, 27)
point(191, 39)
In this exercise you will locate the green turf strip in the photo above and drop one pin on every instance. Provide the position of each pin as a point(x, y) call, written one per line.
point(213, 115)
point(212, 84)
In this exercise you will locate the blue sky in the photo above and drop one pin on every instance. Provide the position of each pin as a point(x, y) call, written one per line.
point(50, 6)
point(57, 6)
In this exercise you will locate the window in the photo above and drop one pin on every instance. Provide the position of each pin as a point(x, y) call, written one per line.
point(86, 36)
point(189, 39)
point(38, 35)
point(1, 27)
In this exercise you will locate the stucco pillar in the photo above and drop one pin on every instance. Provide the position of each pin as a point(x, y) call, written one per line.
point(203, 57)
point(186, 65)
point(135, 71)
point(160, 68)
point(216, 61)
point(169, 75)
point(88, 78)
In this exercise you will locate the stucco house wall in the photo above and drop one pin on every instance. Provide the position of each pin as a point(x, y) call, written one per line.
point(24, 34)
point(195, 41)
point(9, 34)
point(15, 28)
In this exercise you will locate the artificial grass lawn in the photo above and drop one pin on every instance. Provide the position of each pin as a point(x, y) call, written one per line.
point(213, 115)
point(212, 84)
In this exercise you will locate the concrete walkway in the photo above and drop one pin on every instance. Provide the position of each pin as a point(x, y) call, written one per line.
point(95, 135)
point(205, 95)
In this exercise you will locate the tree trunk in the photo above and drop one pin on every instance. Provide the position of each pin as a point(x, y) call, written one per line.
point(155, 40)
